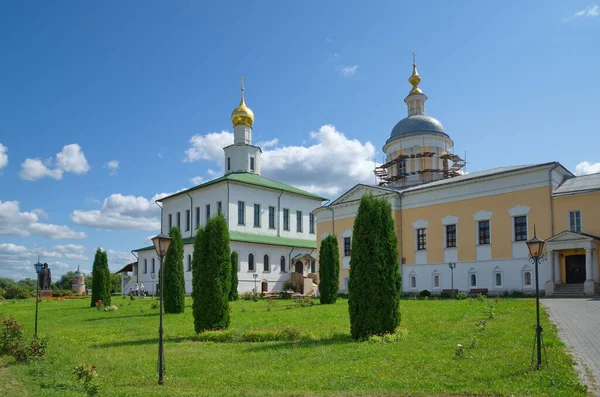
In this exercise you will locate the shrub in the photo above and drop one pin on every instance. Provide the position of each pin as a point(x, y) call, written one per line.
point(12, 342)
point(374, 289)
point(304, 302)
point(285, 295)
point(461, 296)
point(389, 337)
point(288, 285)
point(425, 293)
point(172, 274)
point(481, 298)
point(211, 279)
point(100, 279)
point(329, 270)
point(87, 375)
point(250, 296)
point(233, 292)
point(16, 293)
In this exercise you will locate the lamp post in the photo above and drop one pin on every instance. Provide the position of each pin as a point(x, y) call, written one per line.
point(536, 248)
point(255, 276)
point(153, 275)
point(38, 269)
point(452, 265)
point(161, 244)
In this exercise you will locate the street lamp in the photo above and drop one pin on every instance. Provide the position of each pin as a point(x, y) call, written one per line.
point(161, 244)
point(38, 269)
point(153, 275)
point(255, 276)
point(452, 265)
point(536, 248)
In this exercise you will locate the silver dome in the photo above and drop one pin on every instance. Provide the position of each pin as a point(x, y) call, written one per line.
point(417, 125)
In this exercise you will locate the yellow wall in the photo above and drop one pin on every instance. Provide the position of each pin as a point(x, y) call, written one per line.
point(500, 224)
point(589, 206)
point(340, 225)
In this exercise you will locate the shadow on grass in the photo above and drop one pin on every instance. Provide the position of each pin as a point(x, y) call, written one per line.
point(121, 317)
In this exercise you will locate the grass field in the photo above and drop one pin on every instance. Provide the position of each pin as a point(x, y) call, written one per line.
point(123, 346)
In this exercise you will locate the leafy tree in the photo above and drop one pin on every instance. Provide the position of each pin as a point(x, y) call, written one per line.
point(211, 276)
point(115, 282)
point(329, 270)
point(101, 279)
point(7, 283)
point(233, 292)
point(174, 283)
point(374, 287)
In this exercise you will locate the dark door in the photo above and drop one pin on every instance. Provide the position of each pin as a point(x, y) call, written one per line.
point(299, 267)
point(575, 268)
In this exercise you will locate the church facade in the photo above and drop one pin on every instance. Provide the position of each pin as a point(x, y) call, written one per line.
point(271, 224)
point(468, 231)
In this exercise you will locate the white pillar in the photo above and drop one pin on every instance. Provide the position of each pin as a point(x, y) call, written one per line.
point(556, 255)
point(588, 286)
point(549, 288)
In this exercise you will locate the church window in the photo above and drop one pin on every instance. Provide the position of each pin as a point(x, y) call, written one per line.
point(257, 215)
point(473, 280)
point(286, 219)
point(575, 221)
point(436, 281)
point(266, 267)
point(498, 279)
point(207, 212)
point(520, 228)
point(145, 266)
point(299, 221)
point(228, 163)
point(527, 278)
point(219, 208)
point(311, 223)
point(179, 220)
point(282, 264)
point(450, 236)
point(251, 163)
point(189, 262)
point(347, 246)
point(170, 221)
point(484, 232)
point(402, 166)
point(241, 216)
point(153, 265)
point(421, 239)
point(197, 217)
point(271, 217)
point(250, 262)
point(187, 220)
point(313, 266)
point(413, 282)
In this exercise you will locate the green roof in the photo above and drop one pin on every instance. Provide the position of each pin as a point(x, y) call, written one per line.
point(251, 179)
point(256, 239)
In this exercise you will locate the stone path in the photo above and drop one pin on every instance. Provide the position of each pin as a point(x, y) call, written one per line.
point(578, 323)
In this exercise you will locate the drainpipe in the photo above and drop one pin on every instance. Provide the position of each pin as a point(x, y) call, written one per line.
point(279, 215)
point(551, 201)
point(191, 213)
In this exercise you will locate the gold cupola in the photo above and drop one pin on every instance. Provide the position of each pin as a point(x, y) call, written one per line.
point(242, 115)
point(414, 78)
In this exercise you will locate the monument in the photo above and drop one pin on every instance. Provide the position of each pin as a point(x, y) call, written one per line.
point(44, 281)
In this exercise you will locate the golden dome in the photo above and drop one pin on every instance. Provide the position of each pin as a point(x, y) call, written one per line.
point(242, 115)
point(415, 79)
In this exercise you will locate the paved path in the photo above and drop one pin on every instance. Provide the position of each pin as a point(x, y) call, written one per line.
point(578, 322)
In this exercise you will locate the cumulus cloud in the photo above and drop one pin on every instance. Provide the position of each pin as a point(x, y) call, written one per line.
point(113, 167)
point(13, 222)
point(348, 71)
point(3, 156)
point(17, 260)
point(589, 11)
point(70, 159)
point(329, 164)
point(208, 147)
point(268, 144)
point(196, 180)
point(585, 168)
point(118, 259)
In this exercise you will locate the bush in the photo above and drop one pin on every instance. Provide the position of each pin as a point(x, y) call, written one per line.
point(172, 274)
point(461, 296)
point(304, 302)
point(233, 292)
point(389, 337)
point(100, 279)
point(288, 285)
point(250, 296)
point(16, 293)
point(425, 293)
point(285, 295)
point(329, 270)
point(12, 342)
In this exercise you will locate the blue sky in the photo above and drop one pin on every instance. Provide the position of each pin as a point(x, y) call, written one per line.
point(151, 85)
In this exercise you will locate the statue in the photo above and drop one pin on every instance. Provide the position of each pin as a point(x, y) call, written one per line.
point(45, 278)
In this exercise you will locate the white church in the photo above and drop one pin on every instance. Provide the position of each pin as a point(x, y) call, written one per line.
point(271, 224)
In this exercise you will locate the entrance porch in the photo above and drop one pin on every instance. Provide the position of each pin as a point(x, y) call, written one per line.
point(572, 264)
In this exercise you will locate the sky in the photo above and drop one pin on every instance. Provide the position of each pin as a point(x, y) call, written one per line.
point(107, 106)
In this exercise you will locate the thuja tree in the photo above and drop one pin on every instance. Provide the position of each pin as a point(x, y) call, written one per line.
point(174, 283)
point(329, 269)
point(233, 292)
point(100, 279)
point(211, 281)
point(374, 286)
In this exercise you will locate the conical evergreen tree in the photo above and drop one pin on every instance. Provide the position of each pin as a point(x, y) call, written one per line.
point(329, 270)
point(374, 287)
point(212, 276)
point(233, 292)
point(174, 282)
point(100, 279)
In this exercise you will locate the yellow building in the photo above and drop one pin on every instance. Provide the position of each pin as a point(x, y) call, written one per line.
point(468, 231)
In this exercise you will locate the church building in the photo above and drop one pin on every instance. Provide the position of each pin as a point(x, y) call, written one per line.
point(467, 231)
point(271, 224)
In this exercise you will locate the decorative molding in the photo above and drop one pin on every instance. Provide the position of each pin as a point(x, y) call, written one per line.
point(435, 272)
point(519, 210)
point(347, 232)
point(420, 224)
point(450, 220)
point(483, 215)
point(526, 268)
point(497, 269)
point(472, 270)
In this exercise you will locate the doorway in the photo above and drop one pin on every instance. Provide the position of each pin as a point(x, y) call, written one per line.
point(265, 286)
point(575, 269)
point(299, 267)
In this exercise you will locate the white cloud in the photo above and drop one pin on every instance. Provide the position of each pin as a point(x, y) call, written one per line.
point(118, 259)
point(17, 260)
point(13, 222)
point(40, 213)
point(348, 71)
point(3, 156)
point(331, 164)
point(196, 180)
point(268, 144)
point(209, 146)
point(585, 168)
point(70, 159)
point(113, 167)
point(589, 11)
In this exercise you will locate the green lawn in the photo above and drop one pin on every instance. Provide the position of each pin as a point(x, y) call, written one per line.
point(123, 346)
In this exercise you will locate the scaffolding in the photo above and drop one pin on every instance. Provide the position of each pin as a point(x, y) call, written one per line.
point(453, 165)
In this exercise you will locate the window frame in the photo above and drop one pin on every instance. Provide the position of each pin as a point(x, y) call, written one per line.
point(219, 208)
point(311, 223)
point(189, 269)
point(576, 220)
point(454, 233)
point(207, 212)
point(256, 215)
point(170, 217)
point(520, 229)
point(347, 246)
point(252, 164)
point(421, 235)
point(153, 265)
point(179, 220)
point(487, 238)
point(496, 275)
point(251, 261)
point(282, 264)
point(197, 217)
point(471, 284)
point(299, 221)
point(286, 219)
point(271, 217)
point(188, 220)
point(145, 265)
point(266, 264)
point(241, 213)
point(228, 163)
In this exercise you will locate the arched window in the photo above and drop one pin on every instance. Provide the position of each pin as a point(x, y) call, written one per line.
point(527, 278)
point(473, 280)
point(250, 262)
point(145, 266)
point(153, 265)
point(413, 282)
point(282, 263)
point(498, 279)
point(266, 263)
point(436, 281)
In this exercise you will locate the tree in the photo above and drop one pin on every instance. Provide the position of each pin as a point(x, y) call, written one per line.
point(211, 281)
point(329, 270)
point(100, 279)
point(173, 281)
point(115, 282)
point(233, 292)
point(374, 287)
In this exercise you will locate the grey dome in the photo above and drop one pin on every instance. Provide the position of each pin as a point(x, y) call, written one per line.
point(417, 125)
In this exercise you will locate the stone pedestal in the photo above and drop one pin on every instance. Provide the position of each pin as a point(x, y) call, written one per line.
point(45, 293)
point(549, 288)
point(588, 288)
